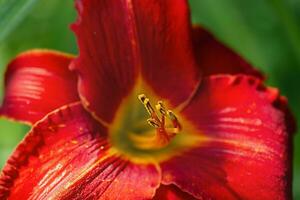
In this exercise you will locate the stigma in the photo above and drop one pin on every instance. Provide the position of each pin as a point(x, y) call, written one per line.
point(164, 121)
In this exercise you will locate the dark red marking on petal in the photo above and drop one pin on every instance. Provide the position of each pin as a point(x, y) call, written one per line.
point(213, 57)
point(171, 192)
point(37, 82)
point(122, 41)
point(54, 154)
point(115, 178)
point(246, 153)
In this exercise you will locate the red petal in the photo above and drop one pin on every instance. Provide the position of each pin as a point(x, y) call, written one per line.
point(121, 41)
point(57, 150)
point(114, 178)
point(215, 58)
point(245, 153)
point(171, 192)
point(37, 82)
point(65, 156)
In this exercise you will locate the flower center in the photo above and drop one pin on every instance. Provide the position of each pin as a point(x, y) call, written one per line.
point(144, 133)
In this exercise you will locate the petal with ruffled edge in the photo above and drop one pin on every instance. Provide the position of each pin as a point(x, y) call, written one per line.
point(124, 41)
point(37, 82)
point(214, 57)
point(66, 156)
point(245, 151)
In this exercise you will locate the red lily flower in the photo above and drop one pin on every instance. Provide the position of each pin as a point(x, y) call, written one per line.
point(216, 131)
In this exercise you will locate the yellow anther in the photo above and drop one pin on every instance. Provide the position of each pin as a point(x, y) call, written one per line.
point(171, 115)
point(174, 120)
point(148, 106)
point(146, 103)
point(153, 122)
point(160, 107)
point(142, 98)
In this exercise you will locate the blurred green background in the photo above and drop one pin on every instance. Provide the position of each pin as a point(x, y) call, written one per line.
point(265, 32)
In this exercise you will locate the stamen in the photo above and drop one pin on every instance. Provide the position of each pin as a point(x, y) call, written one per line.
point(163, 132)
point(171, 115)
point(160, 107)
point(142, 97)
point(174, 119)
point(153, 122)
point(146, 103)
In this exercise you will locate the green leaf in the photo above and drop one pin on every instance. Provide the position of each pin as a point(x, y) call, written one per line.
point(12, 12)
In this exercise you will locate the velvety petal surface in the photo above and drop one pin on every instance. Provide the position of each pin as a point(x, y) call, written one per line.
point(114, 179)
point(171, 192)
point(66, 156)
point(122, 42)
point(245, 150)
point(37, 82)
point(214, 57)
